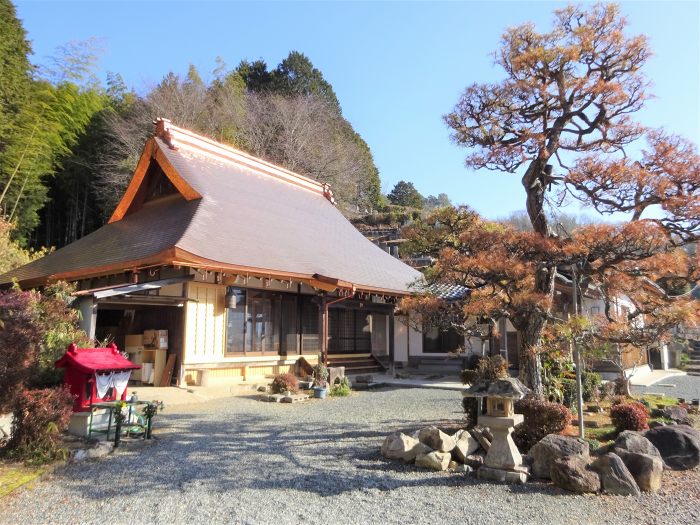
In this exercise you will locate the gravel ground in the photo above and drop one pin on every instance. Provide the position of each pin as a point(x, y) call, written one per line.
point(687, 387)
point(243, 461)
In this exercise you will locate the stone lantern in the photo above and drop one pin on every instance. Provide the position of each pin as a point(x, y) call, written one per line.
point(503, 461)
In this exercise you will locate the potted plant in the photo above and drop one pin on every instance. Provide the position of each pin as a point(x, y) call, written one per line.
point(321, 375)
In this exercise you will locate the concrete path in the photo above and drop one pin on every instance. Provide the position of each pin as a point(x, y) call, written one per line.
point(655, 377)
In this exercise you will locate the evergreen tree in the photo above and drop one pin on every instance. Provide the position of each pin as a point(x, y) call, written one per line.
point(406, 194)
point(296, 75)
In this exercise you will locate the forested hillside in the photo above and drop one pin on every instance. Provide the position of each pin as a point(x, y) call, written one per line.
point(69, 143)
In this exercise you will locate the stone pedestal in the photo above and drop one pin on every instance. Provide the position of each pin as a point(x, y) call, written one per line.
point(503, 462)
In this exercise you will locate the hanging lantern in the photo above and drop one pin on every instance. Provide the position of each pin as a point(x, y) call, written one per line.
point(231, 297)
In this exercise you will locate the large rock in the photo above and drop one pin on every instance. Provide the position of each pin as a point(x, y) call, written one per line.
point(679, 445)
point(677, 414)
point(434, 460)
point(614, 476)
point(635, 442)
point(552, 447)
point(645, 469)
point(641, 458)
point(573, 473)
point(465, 445)
point(436, 439)
point(400, 446)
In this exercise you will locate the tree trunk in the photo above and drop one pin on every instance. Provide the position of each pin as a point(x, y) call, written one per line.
point(529, 363)
point(535, 182)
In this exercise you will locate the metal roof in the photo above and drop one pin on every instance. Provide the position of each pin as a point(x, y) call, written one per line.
point(251, 216)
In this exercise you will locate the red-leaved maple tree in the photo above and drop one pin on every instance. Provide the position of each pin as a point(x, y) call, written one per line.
point(562, 119)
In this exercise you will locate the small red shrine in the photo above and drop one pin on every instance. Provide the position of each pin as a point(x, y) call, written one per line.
point(95, 374)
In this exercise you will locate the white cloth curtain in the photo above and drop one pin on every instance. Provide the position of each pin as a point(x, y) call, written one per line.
point(119, 381)
point(102, 383)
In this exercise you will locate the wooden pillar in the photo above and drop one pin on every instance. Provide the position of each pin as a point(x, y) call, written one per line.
point(323, 318)
point(391, 337)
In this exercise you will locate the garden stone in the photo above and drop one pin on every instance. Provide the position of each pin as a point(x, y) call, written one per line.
point(436, 439)
point(573, 473)
point(79, 455)
point(615, 477)
point(631, 441)
point(679, 445)
point(475, 460)
point(677, 414)
point(399, 446)
point(102, 449)
point(465, 445)
point(645, 469)
point(434, 460)
point(554, 446)
point(464, 469)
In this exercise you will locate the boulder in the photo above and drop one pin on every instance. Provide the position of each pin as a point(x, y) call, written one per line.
point(554, 446)
point(434, 460)
point(631, 441)
point(679, 445)
point(463, 469)
point(465, 445)
point(614, 476)
point(475, 460)
point(480, 434)
point(645, 469)
point(677, 415)
point(436, 439)
point(400, 446)
point(102, 449)
point(573, 473)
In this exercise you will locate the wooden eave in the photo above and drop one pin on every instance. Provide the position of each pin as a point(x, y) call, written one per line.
point(178, 257)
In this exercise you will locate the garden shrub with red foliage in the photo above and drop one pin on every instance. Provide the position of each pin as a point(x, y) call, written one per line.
point(35, 329)
point(541, 418)
point(629, 416)
point(284, 383)
point(40, 417)
point(19, 341)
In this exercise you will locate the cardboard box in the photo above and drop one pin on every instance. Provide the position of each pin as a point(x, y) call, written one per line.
point(134, 340)
point(155, 338)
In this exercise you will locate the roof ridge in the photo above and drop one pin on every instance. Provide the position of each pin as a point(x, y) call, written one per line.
point(176, 138)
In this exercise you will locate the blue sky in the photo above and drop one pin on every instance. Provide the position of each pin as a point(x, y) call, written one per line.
point(397, 67)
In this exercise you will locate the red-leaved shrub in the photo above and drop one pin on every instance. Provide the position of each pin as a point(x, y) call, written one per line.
point(40, 417)
point(19, 342)
point(629, 416)
point(284, 383)
point(541, 418)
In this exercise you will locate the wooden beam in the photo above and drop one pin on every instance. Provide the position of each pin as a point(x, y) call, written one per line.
point(151, 152)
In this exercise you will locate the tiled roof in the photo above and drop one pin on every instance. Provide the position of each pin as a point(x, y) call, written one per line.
point(448, 292)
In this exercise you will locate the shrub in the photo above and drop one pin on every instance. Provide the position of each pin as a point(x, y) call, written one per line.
point(284, 383)
point(471, 410)
point(492, 368)
point(40, 417)
point(629, 416)
point(35, 329)
point(341, 389)
point(541, 418)
point(19, 341)
point(321, 375)
point(591, 382)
